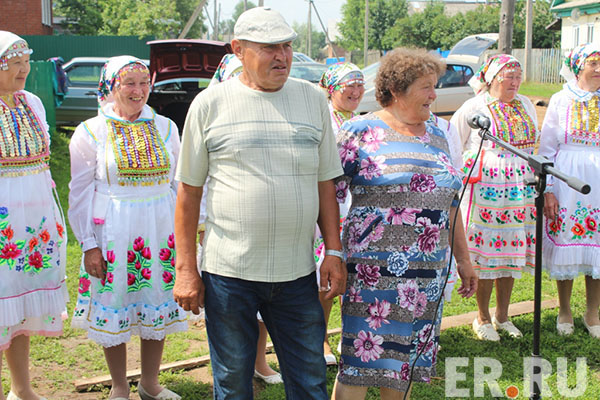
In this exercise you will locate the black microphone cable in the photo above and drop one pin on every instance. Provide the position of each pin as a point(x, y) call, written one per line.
point(439, 301)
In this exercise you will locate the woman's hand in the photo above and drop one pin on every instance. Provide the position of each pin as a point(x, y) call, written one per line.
point(550, 206)
point(468, 279)
point(94, 263)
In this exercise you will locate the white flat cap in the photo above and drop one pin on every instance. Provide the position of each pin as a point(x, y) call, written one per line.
point(263, 25)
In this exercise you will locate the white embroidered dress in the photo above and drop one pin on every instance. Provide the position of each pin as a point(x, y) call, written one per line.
point(33, 237)
point(571, 138)
point(122, 200)
point(498, 207)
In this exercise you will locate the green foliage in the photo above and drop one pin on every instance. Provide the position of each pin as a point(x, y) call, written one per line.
point(82, 17)
point(300, 44)
point(383, 15)
point(159, 18)
point(227, 25)
point(433, 28)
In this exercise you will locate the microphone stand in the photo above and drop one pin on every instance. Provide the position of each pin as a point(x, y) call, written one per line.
point(541, 167)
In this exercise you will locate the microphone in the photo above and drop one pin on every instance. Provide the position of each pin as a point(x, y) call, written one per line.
point(478, 121)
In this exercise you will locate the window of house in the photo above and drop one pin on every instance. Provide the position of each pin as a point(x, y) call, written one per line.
point(590, 33)
point(575, 36)
point(47, 12)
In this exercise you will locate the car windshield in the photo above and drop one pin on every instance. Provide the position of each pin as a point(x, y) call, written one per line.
point(370, 72)
point(309, 72)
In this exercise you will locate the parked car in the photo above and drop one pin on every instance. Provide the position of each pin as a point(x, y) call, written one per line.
point(311, 72)
point(452, 88)
point(179, 70)
point(301, 57)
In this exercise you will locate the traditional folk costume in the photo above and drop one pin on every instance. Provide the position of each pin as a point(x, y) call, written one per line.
point(33, 237)
point(571, 138)
point(498, 206)
point(122, 201)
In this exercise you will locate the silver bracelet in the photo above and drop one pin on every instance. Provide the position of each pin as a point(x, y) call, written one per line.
point(335, 253)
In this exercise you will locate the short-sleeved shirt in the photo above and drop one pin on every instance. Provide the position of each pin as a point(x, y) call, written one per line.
point(265, 153)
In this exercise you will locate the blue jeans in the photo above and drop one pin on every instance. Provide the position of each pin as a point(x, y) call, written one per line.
point(293, 316)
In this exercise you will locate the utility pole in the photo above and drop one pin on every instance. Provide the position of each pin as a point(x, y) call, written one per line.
point(216, 21)
point(261, 3)
point(245, 5)
point(507, 16)
point(192, 19)
point(309, 31)
point(528, 40)
point(366, 55)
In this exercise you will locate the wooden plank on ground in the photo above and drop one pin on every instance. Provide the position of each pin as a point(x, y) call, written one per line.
point(524, 307)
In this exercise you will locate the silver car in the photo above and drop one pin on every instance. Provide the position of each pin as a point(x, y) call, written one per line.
point(452, 88)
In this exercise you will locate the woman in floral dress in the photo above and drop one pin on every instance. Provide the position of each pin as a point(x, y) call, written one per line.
point(396, 236)
point(499, 207)
point(571, 138)
point(121, 209)
point(33, 239)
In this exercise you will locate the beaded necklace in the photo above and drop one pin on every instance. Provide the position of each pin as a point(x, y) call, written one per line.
point(24, 148)
point(582, 123)
point(513, 124)
point(339, 117)
point(140, 153)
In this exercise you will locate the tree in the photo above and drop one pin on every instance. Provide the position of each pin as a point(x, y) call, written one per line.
point(383, 15)
point(160, 18)
point(317, 39)
point(227, 25)
point(82, 17)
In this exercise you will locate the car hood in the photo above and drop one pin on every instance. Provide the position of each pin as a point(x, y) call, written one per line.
point(472, 47)
point(185, 58)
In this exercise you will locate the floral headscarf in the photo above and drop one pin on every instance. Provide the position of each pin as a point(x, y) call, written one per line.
point(113, 71)
point(575, 60)
point(488, 71)
point(340, 75)
point(11, 46)
point(229, 67)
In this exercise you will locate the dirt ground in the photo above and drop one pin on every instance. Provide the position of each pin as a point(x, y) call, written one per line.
point(202, 374)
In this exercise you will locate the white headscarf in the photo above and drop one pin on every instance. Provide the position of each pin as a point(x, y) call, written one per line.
point(109, 74)
point(575, 60)
point(488, 71)
point(11, 46)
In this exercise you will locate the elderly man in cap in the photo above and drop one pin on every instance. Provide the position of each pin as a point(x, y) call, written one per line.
point(267, 144)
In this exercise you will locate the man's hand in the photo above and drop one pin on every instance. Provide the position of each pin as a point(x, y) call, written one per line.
point(468, 279)
point(94, 263)
point(550, 206)
point(188, 291)
point(333, 277)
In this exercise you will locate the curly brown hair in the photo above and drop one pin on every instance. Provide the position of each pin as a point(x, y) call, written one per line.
point(400, 68)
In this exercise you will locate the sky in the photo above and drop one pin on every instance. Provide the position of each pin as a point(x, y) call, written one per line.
point(292, 10)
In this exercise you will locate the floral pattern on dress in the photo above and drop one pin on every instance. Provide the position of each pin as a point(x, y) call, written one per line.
point(166, 256)
point(106, 283)
point(139, 261)
point(30, 255)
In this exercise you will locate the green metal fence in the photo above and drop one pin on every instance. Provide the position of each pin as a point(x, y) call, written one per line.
point(40, 82)
point(69, 46)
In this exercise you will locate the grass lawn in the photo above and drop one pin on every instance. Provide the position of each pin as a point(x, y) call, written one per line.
point(56, 363)
point(545, 90)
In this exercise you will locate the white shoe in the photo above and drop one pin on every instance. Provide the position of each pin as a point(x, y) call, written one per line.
point(330, 359)
point(507, 327)
point(12, 396)
point(485, 331)
point(165, 394)
point(269, 379)
point(593, 330)
point(564, 329)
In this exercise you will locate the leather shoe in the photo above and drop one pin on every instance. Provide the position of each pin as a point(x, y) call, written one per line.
point(594, 330)
point(165, 394)
point(485, 331)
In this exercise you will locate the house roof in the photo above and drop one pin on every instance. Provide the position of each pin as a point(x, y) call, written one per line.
point(563, 8)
